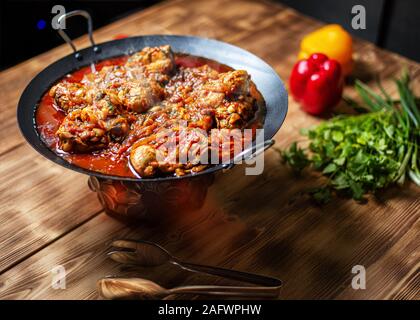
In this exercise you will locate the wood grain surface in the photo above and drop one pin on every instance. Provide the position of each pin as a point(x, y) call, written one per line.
point(264, 224)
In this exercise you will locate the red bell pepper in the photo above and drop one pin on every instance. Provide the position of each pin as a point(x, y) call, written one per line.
point(317, 83)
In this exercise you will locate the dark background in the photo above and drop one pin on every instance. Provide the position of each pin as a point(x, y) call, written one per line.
point(391, 24)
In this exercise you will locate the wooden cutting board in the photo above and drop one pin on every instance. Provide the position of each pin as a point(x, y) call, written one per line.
point(264, 224)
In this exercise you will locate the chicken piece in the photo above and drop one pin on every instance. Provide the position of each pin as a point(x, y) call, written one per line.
point(91, 128)
point(143, 160)
point(136, 95)
point(206, 98)
point(125, 89)
point(158, 62)
point(68, 95)
point(230, 83)
point(235, 114)
point(108, 77)
point(106, 106)
point(193, 147)
point(83, 130)
point(187, 80)
point(229, 97)
point(172, 155)
point(235, 82)
point(118, 128)
point(213, 93)
point(204, 72)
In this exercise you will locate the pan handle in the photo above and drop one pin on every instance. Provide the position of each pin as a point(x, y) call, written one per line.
point(250, 152)
point(66, 38)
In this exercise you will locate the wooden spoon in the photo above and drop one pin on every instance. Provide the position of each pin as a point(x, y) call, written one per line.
point(137, 288)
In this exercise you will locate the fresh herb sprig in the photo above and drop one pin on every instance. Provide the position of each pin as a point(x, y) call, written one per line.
point(363, 153)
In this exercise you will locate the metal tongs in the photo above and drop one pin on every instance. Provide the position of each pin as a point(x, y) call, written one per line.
point(149, 254)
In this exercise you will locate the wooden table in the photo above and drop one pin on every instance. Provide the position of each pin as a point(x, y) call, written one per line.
point(264, 224)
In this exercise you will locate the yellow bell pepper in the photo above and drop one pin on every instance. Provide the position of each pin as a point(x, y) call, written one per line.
point(331, 40)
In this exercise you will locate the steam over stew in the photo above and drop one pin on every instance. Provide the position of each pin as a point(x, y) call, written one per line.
point(104, 119)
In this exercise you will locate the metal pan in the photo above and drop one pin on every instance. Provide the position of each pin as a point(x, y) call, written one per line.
point(264, 77)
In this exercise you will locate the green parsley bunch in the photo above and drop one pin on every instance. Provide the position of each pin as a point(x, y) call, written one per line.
point(363, 153)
